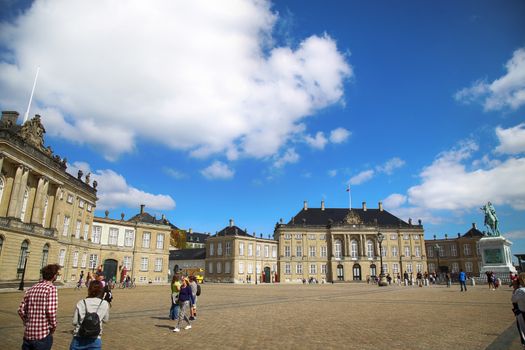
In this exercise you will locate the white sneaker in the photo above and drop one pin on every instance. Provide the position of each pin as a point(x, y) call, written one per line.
point(176, 329)
point(188, 327)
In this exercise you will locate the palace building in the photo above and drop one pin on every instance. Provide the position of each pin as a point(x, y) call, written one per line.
point(335, 244)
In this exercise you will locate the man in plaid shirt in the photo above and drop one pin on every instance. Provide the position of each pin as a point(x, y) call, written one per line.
point(38, 311)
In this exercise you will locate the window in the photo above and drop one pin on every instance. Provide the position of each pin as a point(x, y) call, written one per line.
point(353, 249)
point(97, 233)
point(69, 198)
point(250, 249)
point(266, 251)
point(146, 238)
point(466, 249)
point(258, 250)
point(228, 248)
point(158, 264)
point(44, 214)
point(127, 262)
point(453, 250)
point(407, 251)
point(86, 231)
point(419, 268)
point(323, 251)
point(338, 249)
point(77, 229)
point(394, 251)
point(383, 251)
point(129, 236)
point(219, 267)
point(312, 250)
point(431, 267)
point(298, 251)
point(210, 267)
point(23, 255)
point(66, 226)
point(430, 252)
point(418, 251)
point(75, 259)
point(93, 259)
point(241, 249)
point(395, 268)
point(455, 267)
point(212, 249)
point(299, 269)
point(83, 261)
point(406, 237)
point(416, 237)
point(370, 249)
point(160, 241)
point(298, 236)
point(322, 237)
point(113, 236)
point(249, 269)
point(227, 267)
point(311, 236)
point(219, 248)
point(24, 205)
point(274, 252)
point(81, 203)
point(89, 207)
point(241, 267)
point(323, 269)
point(409, 268)
point(385, 268)
point(468, 266)
point(287, 251)
point(393, 236)
point(61, 257)
point(45, 255)
point(144, 262)
point(313, 268)
point(287, 236)
point(287, 269)
point(441, 251)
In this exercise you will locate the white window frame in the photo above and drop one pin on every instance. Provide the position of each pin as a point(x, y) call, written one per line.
point(258, 250)
point(370, 249)
point(299, 269)
point(311, 252)
point(453, 250)
point(250, 249)
point(287, 251)
point(129, 237)
point(113, 236)
point(83, 261)
point(249, 268)
point(338, 249)
point(468, 266)
point(146, 239)
point(96, 233)
point(394, 251)
point(287, 269)
point(228, 249)
point(75, 259)
point(158, 264)
point(418, 252)
point(144, 263)
point(266, 251)
point(219, 267)
point(407, 251)
point(77, 229)
point(324, 251)
point(127, 262)
point(65, 229)
point(93, 261)
point(241, 249)
point(298, 250)
point(227, 267)
point(61, 257)
point(24, 205)
point(241, 267)
point(160, 241)
point(274, 251)
point(313, 269)
point(219, 248)
point(212, 249)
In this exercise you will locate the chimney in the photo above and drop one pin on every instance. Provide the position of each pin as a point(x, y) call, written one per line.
point(190, 230)
point(419, 222)
point(305, 205)
point(434, 237)
point(474, 226)
point(9, 118)
point(231, 222)
point(446, 236)
point(410, 221)
point(142, 208)
point(459, 235)
point(163, 217)
point(364, 206)
point(322, 205)
point(380, 206)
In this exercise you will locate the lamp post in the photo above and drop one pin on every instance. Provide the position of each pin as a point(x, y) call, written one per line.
point(437, 249)
point(21, 285)
point(382, 279)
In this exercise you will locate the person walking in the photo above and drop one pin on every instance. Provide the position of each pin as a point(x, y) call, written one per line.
point(185, 298)
point(448, 279)
point(94, 303)
point(80, 280)
point(518, 302)
point(175, 289)
point(193, 285)
point(38, 311)
point(462, 280)
point(89, 278)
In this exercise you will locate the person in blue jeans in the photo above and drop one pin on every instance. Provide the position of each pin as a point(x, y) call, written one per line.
point(175, 289)
point(463, 280)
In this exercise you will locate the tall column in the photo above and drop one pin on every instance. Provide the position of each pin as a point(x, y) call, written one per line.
point(345, 246)
point(363, 245)
point(23, 185)
point(1, 162)
point(13, 202)
point(36, 217)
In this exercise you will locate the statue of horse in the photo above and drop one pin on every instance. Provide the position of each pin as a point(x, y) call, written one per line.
point(491, 220)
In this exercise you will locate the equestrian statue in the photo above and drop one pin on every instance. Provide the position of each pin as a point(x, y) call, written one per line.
point(491, 220)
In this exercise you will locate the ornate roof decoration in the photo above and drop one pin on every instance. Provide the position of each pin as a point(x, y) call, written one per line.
point(33, 133)
point(352, 218)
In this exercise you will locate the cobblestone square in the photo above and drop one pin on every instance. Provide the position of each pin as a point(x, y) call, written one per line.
point(323, 316)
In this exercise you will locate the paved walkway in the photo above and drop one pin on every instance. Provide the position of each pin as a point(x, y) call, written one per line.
point(348, 316)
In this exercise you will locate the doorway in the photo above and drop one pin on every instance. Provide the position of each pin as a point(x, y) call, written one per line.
point(110, 269)
point(357, 272)
point(267, 276)
point(340, 273)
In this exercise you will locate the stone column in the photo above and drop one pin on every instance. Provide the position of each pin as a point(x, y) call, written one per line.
point(13, 202)
point(23, 185)
point(36, 217)
point(1, 162)
point(345, 246)
point(363, 245)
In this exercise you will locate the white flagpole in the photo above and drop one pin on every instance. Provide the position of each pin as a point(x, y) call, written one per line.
point(349, 197)
point(31, 97)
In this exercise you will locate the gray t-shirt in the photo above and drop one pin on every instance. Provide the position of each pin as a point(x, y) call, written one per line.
point(92, 305)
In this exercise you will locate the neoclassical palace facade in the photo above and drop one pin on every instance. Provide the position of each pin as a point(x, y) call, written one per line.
point(47, 216)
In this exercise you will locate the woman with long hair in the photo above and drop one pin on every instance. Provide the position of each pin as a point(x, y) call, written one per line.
point(185, 298)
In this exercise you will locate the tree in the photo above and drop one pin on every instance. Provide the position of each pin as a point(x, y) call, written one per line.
point(178, 239)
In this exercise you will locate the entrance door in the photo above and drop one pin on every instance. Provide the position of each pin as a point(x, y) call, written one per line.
point(373, 270)
point(340, 273)
point(267, 277)
point(110, 269)
point(357, 272)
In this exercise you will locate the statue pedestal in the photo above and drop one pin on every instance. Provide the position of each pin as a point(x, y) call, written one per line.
point(495, 255)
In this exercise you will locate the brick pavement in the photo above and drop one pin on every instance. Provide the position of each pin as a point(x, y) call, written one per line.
point(348, 316)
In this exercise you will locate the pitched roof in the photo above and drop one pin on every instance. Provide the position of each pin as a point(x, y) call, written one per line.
point(473, 232)
point(232, 231)
point(335, 216)
point(196, 237)
point(148, 219)
point(188, 254)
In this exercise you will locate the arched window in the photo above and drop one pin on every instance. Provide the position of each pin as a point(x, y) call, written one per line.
point(338, 252)
point(24, 205)
point(353, 245)
point(45, 254)
point(370, 249)
point(24, 248)
point(44, 213)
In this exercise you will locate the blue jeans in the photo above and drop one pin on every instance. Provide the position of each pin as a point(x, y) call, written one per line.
point(463, 284)
point(79, 343)
point(41, 344)
point(174, 311)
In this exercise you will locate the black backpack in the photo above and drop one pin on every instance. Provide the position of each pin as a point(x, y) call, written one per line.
point(90, 325)
point(198, 290)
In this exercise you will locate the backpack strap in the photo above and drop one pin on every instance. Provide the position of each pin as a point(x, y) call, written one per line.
point(101, 300)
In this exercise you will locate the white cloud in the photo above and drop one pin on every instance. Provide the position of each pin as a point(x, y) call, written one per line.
point(339, 135)
point(113, 190)
point(395, 200)
point(319, 141)
point(362, 177)
point(199, 76)
point(392, 164)
point(512, 140)
point(290, 156)
point(218, 170)
point(506, 92)
point(174, 173)
point(518, 234)
point(332, 173)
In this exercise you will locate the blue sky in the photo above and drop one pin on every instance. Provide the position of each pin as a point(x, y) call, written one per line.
point(247, 109)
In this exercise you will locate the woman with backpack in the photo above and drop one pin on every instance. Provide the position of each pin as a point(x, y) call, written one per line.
point(185, 300)
point(89, 315)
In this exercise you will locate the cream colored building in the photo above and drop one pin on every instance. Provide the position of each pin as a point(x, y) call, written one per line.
point(233, 255)
point(340, 245)
point(47, 216)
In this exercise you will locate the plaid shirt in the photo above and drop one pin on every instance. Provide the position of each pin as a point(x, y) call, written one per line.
point(38, 310)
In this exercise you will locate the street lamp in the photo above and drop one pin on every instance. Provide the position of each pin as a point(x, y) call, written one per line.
point(21, 285)
point(437, 249)
point(382, 279)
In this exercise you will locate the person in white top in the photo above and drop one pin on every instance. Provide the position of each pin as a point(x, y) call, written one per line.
point(94, 304)
point(518, 301)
